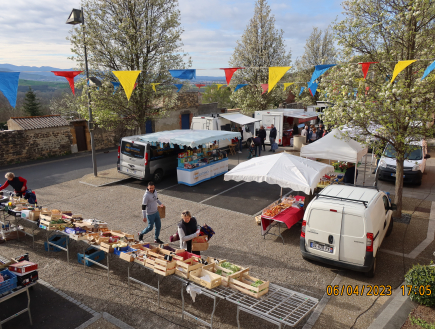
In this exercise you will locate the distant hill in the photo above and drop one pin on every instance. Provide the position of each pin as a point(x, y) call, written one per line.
point(23, 85)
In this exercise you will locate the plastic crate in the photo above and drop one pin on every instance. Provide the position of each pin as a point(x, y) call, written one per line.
point(94, 254)
point(117, 251)
point(58, 239)
point(8, 285)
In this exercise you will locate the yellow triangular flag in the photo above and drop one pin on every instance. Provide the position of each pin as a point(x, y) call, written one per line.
point(127, 79)
point(275, 74)
point(400, 66)
point(286, 84)
point(154, 86)
point(220, 85)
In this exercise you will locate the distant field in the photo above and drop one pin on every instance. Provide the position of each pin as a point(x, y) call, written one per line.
point(32, 83)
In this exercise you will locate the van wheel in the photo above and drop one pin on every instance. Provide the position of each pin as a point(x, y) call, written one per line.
point(390, 227)
point(158, 175)
point(371, 273)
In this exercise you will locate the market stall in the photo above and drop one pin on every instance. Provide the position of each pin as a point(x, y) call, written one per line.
point(287, 171)
point(200, 158)
point(335, 146)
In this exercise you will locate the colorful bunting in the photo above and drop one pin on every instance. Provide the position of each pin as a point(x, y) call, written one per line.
point(275, 74)
point(69, 75)
point(265, 86)
point(115, 86)
point(183, 74)
point(319, 70)
point(199, 85)
point(154, 86)
point(127, 80)
point(179, 86)
point(302, 89)
point(9, 86)
point(135, 85)
point(365, 67)
point(313, 88)
point(429, 69)
point(240, 86)
point(287, 84)
point(229, 73)
point(400, 66)
point(219, 85)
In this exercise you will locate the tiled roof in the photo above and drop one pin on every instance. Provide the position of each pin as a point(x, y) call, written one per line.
point(39, 122)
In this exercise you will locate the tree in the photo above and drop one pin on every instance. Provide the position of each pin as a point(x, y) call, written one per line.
point(319, 49)
point(221, 96)
point(261, 46)
point(398, 113)
point(31, 104)
point(130, 35)
point(67, 105)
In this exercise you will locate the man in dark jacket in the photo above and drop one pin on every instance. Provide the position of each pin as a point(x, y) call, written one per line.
point(320, 132)
point(262, 135)
point(349, 175)
point(272, 137)
point(257, 143)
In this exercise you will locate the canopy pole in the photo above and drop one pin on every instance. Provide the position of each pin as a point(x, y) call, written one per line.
point(280, 197)
point(329, 161)
point(371, 162)
point(365, 169)
point(354, 179)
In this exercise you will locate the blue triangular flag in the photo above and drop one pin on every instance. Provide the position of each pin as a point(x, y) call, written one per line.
point(178, 85)
point(313, 88)
point(115, 85)
point(240, 86)
point(9, 86)
point(183, 74)
point(428, 70)
point(302, 89)
point(319, 70)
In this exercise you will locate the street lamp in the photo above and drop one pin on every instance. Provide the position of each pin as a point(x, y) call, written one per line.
point(77, 17)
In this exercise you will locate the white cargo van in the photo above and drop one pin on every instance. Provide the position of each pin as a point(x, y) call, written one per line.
point(144, 161)
point(344, 226)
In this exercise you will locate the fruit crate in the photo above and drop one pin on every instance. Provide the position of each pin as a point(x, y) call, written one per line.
point(9, 284)
point(163, 261)
point(184, 267)
point(196, 275)
point(243, 282)
point(225, 273)
point(47, 225)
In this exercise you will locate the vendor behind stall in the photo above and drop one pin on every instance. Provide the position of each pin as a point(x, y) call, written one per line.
point(19, 184)
point(187, 230)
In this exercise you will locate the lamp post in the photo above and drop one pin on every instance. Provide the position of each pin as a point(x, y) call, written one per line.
point(77, 17)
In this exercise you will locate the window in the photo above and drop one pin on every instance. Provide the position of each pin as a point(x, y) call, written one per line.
point(133, 150)
point(386, 203)
point(325, 221)
point(158, 152)
point(353, 226)
point(415, 154)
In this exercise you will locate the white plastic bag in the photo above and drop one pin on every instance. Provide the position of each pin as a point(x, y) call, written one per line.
point(192, 290)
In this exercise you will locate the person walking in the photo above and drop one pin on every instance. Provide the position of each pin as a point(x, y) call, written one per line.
point(257, 145)
point(187, 231)
point(240, 140)
point(304, 133)
point(262, 135)
point(320, 132)
point(272, 137)
point(150, 213)
point(19, 184)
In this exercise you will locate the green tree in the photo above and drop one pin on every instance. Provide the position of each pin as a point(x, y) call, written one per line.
point(222, 96)
point(399, 113)
point(261, 46)
point(31, 105)
point(130, 35)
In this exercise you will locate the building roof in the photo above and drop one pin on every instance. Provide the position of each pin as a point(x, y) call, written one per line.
point(40, 122)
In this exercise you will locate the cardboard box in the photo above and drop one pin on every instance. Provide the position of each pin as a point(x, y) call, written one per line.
point(162, 211)
point(23, 267)
point(199, 246)
point(34, 215)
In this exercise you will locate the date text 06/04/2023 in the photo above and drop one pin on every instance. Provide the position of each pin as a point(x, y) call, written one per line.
point(376, 290)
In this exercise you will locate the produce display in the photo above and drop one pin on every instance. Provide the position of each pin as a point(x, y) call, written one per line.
point(198, 157)
point(276, 208)
point(330, 179)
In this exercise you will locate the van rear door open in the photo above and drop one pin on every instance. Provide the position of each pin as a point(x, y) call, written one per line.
point(323, 232)
point(353, 240)
point(132, 159)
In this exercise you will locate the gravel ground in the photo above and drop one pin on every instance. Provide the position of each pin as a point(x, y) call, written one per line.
point(102, 324)
point(424, 313)
point(237, 239)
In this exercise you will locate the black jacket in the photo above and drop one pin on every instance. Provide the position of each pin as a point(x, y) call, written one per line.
point(262, 135)
point(349, 175)
point(272, 133)
point(319, 133)
point(257, 141)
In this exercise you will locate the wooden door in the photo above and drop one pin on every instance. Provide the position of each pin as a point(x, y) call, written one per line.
point(81, 138)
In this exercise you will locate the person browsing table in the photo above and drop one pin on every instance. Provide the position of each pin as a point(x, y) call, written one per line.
point(150, 213)
point(19, 184)
point(187, 231)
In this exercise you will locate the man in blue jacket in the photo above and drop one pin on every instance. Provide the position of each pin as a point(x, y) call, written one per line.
point(150, 213)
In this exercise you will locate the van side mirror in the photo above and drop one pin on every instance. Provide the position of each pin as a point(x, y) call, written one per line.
point(427, 156)
point(393, 207)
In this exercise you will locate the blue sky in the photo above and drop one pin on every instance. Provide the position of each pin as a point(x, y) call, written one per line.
point(34, 32)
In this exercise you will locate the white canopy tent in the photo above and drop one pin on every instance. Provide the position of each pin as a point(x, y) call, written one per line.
point(239, 118)
point(283, 169)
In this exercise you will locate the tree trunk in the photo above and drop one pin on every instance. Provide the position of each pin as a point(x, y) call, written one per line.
point(399, 187)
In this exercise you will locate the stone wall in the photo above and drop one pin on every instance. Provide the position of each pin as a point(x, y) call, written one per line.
point(23, 145)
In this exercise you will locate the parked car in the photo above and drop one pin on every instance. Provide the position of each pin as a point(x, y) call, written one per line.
point(144, 161)
point(345, 226)
point(413, 166)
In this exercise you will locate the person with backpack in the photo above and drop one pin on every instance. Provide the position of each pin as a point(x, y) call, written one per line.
point(19, 184)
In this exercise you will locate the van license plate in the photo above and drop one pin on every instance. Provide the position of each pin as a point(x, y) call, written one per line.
point(321, 247)
point(132, 171)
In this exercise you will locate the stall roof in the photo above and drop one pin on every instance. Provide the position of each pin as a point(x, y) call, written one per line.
point(300, 114)
point(186, 137)
point(239, 118)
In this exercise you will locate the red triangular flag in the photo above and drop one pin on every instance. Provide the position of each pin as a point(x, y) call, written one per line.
point(229, 73)
point(135, 85)
point(310, 92)
point(265, 87)
point(69, 75)
point(366, 66)
point(199, 86)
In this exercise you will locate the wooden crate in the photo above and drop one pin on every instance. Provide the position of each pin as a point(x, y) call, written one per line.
point(184, 267)
point(107, 247)
point(127, 256)
point(149, 262)
point(212, 260)
point(243, 281)
point(226, 274)
point(196, 275)
point(164, 267)
point(78, 237)
point(46, 225)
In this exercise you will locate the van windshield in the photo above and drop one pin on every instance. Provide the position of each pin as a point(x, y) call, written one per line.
point(416, 154)
point(133, 150)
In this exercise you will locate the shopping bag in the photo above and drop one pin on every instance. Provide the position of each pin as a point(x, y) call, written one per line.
point(274, 146)
point(162, 211)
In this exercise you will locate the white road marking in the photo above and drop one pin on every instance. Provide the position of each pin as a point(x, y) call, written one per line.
point(222, 192)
